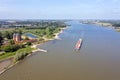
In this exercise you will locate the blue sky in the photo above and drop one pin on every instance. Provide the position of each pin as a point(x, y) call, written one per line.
point(59, 9)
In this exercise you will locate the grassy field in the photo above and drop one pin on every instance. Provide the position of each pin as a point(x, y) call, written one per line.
point(12, 54)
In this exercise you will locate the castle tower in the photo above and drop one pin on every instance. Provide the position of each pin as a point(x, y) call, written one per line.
point(17, 37)
point(14, 37)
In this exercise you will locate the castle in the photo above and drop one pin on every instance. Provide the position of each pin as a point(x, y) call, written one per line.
point(16, 37)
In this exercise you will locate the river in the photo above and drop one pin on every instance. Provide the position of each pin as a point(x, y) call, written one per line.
point(98, 58)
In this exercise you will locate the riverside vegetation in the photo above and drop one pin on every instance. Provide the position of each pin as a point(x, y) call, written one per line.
point(18, 51)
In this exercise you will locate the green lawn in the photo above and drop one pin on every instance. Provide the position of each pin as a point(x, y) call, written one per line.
point(11, 54)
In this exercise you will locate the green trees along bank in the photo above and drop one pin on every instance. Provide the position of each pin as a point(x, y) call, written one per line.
point(42, 30)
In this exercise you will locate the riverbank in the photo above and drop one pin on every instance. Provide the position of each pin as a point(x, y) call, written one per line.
point(108, 24)
point(57, 34)
point(9, 62)
point(4, 64)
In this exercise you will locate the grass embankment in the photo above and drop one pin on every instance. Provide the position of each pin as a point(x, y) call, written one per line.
point(12, 54)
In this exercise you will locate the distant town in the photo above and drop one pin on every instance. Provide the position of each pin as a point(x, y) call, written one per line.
point(28, 23)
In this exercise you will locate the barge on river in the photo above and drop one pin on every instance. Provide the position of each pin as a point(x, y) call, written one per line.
point(79, 43)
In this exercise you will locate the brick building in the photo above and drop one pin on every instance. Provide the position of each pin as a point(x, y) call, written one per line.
point(16, 37)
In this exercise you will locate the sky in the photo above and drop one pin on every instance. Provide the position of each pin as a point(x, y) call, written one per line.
point(59, 9)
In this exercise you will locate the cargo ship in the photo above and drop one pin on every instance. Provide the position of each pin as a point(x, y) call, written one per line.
point(79, 43)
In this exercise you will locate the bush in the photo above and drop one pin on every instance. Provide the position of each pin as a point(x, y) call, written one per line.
point(26, 38)
point(11, 42)
point(41, 39)
point(20, 56)
point(8, 48)
point(28, 43)
point(12, 48)
point(21, 45)
point(2, 54)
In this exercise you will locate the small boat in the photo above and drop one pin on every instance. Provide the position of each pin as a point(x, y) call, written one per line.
point(78, 45)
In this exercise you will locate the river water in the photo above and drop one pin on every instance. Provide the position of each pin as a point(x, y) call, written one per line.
point(98, 58)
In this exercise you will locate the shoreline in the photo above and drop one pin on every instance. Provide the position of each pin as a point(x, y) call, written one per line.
point(108, 25)
point(2, 70)
point(57, 34)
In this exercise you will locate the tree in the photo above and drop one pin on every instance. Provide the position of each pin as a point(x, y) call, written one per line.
point(20, 56)
point(28, 43)
point(11, 42)
point(11, 48)
point(20, 31)
point(8, 48)
point(1, 38)
point(48, 31)
point(8, 35)
point(41, 39)
point(26, 38)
